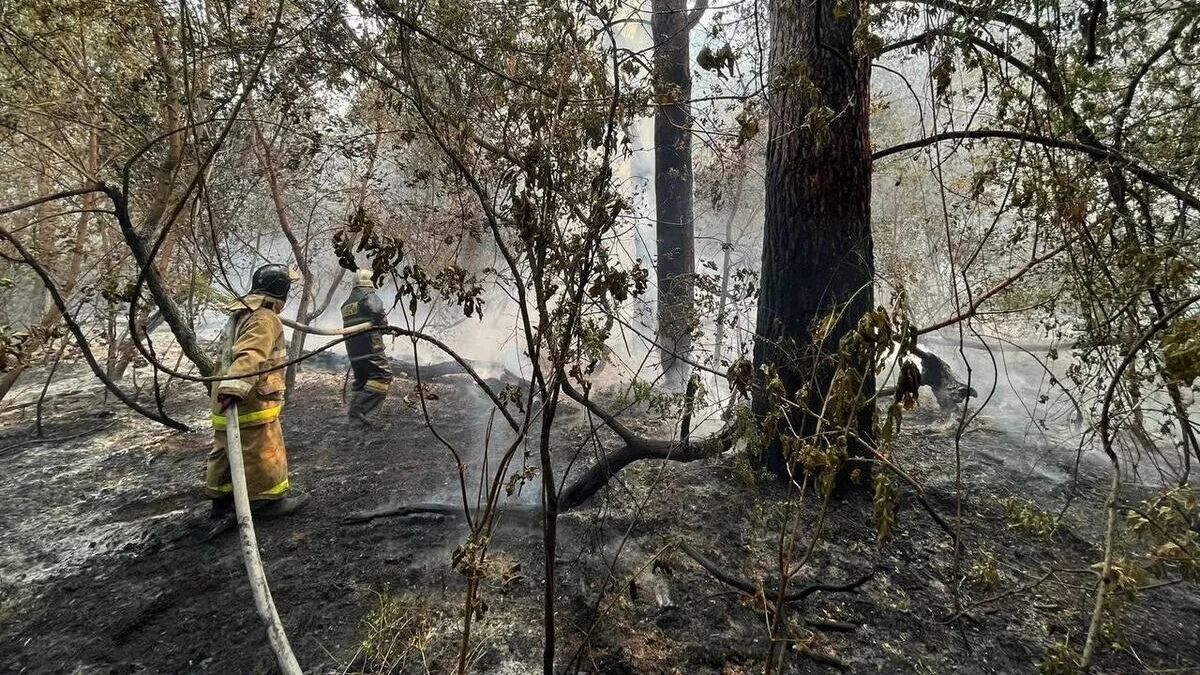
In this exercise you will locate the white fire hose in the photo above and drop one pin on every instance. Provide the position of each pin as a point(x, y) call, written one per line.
point(305, 328)
point(245, 522)
point(249, 546)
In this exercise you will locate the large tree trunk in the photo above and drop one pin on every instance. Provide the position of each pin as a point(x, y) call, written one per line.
point(817, 252)
point(673, 182)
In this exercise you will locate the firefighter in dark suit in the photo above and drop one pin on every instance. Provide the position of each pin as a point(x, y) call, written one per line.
point(368, 360)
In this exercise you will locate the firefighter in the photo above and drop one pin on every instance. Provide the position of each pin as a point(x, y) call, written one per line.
point(372, 369)
point(252, 342)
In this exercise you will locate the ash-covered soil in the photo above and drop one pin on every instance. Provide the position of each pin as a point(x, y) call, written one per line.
point(104, 566)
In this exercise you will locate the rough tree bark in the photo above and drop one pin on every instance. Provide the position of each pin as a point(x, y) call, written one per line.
point(817, 251)
point(671, 25)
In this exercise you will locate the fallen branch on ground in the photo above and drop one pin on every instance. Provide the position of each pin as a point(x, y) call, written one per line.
point(823, 657)
point(751, 588)
point(398, 510)
point(55, 439)
point(430, 508)
point(831, 625)
point(95, 391)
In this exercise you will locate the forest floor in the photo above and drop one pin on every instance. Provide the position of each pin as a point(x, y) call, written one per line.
point(104, 567)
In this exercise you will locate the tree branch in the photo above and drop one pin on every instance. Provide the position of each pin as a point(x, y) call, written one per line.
point(993, 291)
point(82, 340)
point(1100, 153)
point(1097, 9)
point(696, 14)
point(65, 194)
point(636, 448)
point(727, 578)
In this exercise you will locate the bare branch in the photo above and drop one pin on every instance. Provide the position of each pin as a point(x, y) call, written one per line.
point(696, 14)
point(1117, 159)
point(65, 194)
point(727, 578)
point(994, 290)
point(82, 340)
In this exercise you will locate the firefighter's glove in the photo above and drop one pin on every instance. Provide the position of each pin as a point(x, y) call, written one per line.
point(226, 400)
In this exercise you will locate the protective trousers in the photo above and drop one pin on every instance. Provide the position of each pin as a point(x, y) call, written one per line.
point(252, 343)
point(371, 385)
point(368, 358)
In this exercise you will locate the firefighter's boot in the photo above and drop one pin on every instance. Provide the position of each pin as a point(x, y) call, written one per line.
point(278, 508)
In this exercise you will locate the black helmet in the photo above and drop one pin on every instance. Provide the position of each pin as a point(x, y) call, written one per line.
point(272, 280)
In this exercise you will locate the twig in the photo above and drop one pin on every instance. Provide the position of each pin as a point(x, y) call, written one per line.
point(37, 426)
point(823, 657)
point(1107, 578)
point(1000, 596)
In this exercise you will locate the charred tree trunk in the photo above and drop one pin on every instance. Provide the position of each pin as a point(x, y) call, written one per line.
point(676, 268)
point(180, 327)
point(817, 251)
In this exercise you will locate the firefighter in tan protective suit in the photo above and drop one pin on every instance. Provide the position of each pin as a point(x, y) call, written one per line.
point(368, 357)
point(252, 342)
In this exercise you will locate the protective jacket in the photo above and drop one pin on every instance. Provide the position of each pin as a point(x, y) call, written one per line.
point(252, 341)
point(368, 358)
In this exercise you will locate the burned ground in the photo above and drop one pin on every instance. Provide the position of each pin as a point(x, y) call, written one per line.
point(104, 568)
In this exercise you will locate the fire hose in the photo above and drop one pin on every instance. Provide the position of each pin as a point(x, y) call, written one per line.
point(249, 545)
point(305, 328)
point(245, 522)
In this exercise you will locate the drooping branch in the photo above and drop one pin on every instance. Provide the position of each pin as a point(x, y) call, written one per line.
point(81, 339)
point(1100, 153)
point(635, 448)
point(1044, 81)
point(158, 291)
point(991, 15)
